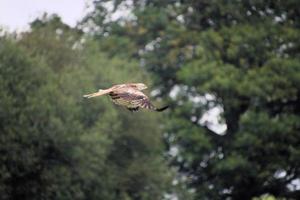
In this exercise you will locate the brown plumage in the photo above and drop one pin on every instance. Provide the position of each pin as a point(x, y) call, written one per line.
point(128, 95)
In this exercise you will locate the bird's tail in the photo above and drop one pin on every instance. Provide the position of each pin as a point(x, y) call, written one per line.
point(161, 109)
point(99, 93)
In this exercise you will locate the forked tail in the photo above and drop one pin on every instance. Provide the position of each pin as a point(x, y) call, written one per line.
point(99, 93)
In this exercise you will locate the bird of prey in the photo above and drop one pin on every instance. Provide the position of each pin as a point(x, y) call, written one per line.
point(129, 95)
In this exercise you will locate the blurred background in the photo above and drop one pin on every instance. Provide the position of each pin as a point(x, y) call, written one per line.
point(230, 71)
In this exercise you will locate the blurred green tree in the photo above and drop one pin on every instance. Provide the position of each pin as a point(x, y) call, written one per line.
point(239, 58)
point(56, 145)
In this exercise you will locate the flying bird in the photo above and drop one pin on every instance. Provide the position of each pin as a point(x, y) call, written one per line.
point(129, 95)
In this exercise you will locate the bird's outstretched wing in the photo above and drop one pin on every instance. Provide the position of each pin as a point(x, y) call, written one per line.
point(133, 101)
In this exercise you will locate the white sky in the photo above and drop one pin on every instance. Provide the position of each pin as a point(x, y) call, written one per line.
point(16, 14)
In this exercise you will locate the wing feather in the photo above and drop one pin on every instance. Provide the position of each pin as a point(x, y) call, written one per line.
point(132, 98)
point(135, 99)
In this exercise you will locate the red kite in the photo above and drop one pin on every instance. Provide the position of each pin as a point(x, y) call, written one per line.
point(128, 95)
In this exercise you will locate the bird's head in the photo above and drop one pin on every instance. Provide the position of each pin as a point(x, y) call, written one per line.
point(140, 86)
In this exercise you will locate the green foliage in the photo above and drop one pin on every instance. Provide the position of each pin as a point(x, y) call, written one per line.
point(241, 57)
point(237, 57)
point(56, 145)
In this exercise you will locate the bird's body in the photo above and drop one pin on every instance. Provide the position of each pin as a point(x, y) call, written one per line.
point(128, 95)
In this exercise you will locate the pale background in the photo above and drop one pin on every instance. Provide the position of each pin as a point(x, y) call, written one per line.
point(15, 15)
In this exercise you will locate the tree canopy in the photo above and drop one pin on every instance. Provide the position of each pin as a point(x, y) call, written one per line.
point(230, 71)
point(239, 59)
point(57, 145)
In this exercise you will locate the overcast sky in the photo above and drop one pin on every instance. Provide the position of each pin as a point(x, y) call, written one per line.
point(16, 14)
